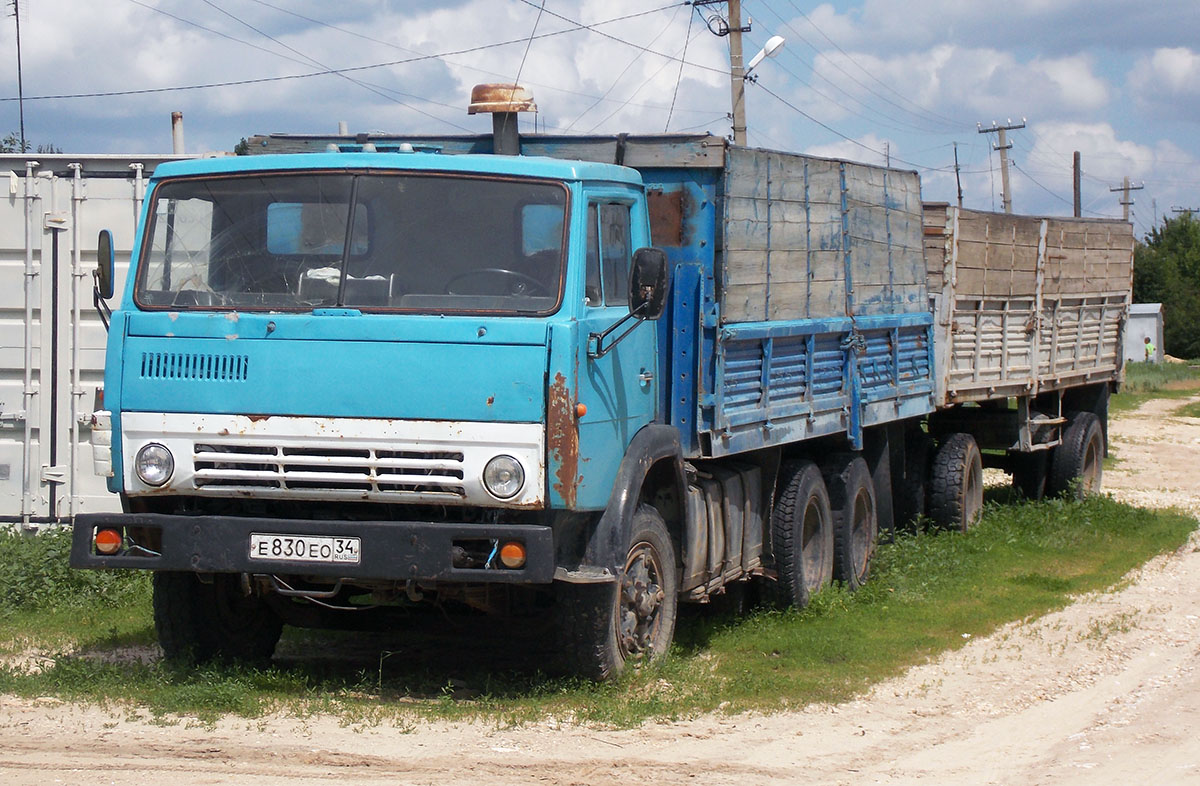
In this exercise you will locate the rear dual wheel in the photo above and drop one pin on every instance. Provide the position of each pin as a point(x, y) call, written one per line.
point(855, 518)
point(1077, 465)
point(956, 483)
point(801, 534)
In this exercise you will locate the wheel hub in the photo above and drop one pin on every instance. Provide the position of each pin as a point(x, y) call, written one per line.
point(641, 598)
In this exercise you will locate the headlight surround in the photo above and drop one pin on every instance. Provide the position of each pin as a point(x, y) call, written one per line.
point(154, 464)
point(503, 477)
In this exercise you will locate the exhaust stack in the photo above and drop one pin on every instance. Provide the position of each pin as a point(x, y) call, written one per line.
point(177, 133)
point(502, 102)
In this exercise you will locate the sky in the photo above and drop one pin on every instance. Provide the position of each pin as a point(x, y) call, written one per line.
point(875, 80)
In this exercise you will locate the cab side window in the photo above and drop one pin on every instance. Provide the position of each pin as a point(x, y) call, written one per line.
point(591, 287)
point(608, 254)
point(615, 253)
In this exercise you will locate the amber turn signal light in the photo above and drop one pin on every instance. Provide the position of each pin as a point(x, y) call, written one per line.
point(108, 541)
point(512, 554)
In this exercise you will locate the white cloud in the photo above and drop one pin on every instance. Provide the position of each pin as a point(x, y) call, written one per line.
point(1168, 81)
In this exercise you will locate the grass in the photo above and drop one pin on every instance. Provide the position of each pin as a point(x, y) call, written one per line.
point(927, 591)
point(1189, 410)
point(1144, 381)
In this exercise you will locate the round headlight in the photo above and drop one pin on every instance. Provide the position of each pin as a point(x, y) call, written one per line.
point(154, 464)
point(503, 477)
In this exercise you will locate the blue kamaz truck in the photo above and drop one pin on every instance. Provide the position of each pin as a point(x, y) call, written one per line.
point(583, 379)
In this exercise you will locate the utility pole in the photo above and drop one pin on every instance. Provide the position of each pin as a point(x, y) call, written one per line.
point(1077, 170)
point(738, 71)
point(1126, 201)
point(957, 179)
point(887, 154)
point(1192, 210)
point(20, 86)
point(1003, 146)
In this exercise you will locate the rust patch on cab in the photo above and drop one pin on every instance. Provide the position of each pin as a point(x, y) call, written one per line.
point(562, 439)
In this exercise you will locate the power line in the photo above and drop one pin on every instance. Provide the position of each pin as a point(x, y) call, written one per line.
point(630, 65)
point(592, 28)
point(316, 62)
point(633, 95)
point(532, 83)
point(687, 38)
point(859, 83)
point(346, 70)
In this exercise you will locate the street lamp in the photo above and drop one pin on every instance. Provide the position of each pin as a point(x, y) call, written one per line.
point(773, 45)
point(739, 76)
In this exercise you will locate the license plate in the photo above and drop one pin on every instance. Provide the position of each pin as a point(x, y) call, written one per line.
point(304, 548)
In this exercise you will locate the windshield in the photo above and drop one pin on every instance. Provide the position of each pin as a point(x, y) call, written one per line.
point(377, 241)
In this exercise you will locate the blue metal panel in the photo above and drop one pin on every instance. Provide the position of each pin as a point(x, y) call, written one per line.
point(448, 381)
point(684, 362)
point(785, 381)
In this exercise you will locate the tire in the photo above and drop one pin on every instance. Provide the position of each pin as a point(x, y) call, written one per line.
point(909, 494)
point(802, 535)
point(198, 622)
point(855, 518)
point(956, 484)
point(605, 627)
point(1029, 473)
point(1077, 465)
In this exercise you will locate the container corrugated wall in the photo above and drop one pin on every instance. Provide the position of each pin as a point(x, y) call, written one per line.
point(51, 340)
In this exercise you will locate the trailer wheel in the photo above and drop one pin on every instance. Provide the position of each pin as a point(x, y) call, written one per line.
point(199, 621)
point(855, 518)
point(956, 483)
point(1029, 474)
point(802, 535)
point(1077, 466)
point(603, 627)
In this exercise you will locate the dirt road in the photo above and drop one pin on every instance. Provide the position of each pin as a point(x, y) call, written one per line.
point(1105, 691)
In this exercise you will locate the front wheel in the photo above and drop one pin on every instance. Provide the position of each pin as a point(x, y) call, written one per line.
point(199, 620)
point(605, 627)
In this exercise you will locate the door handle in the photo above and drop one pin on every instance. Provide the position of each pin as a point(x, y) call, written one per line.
point(645, 377)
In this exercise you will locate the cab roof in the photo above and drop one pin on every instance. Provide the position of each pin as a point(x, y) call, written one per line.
point(515, 166)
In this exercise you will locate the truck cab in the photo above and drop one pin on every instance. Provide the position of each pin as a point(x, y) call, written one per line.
point(371, 378)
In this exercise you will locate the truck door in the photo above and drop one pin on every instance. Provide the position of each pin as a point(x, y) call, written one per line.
point(619, 388)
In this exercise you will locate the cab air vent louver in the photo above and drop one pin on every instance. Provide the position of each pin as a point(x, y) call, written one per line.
point(175, 365)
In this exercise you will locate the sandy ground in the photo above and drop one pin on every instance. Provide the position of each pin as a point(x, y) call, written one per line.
point(1105, 691)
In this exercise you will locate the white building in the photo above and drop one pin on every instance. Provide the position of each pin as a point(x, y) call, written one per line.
point(1145, 319)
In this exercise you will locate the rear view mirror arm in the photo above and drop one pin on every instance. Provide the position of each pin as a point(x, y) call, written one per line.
point(596, 348)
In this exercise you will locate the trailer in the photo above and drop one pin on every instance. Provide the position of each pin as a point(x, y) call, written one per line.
point(1031, 314)
point(574, 378)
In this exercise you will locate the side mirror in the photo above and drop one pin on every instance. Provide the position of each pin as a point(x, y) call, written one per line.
point(105, 263)
point(649, 280)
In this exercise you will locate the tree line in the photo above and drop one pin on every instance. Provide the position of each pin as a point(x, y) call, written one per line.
point(1166, 269)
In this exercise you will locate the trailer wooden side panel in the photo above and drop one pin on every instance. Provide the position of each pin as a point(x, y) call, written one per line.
point(1026, 304)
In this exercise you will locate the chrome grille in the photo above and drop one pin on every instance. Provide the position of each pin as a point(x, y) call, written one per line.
point(222, 466)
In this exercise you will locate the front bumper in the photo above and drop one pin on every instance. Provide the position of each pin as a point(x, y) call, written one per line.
point(390, 550)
